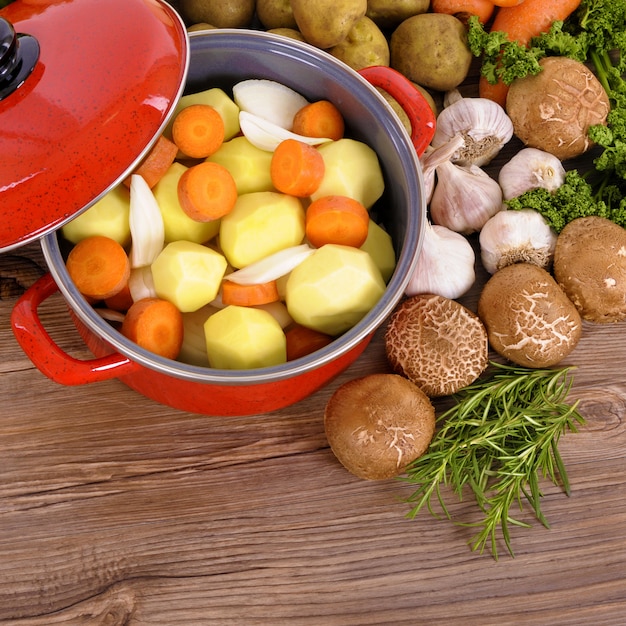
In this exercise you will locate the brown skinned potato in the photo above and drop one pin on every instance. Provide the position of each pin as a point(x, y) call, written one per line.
point(364, 45)
point(431, 49)
point(325, 23)
point(224, 14)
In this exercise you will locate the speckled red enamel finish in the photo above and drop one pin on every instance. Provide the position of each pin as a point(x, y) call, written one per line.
point(108, 75)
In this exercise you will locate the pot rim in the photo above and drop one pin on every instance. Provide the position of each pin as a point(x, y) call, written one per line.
point(405, 264)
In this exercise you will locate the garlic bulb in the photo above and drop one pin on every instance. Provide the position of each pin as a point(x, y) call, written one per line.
point(464, 197)
point(516, 236)
point(483, 124)
point(433, 157)
point(445, 266)
point(530, 169)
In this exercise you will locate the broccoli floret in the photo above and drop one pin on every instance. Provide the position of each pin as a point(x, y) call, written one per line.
point(576, 197)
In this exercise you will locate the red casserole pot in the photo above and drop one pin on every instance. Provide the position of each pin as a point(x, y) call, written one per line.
point(221, 58)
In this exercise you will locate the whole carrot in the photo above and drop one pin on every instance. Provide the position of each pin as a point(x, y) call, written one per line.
point(521, 23)
point(462, 9)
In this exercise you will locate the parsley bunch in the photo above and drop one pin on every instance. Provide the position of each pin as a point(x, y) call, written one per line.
point(594, 34)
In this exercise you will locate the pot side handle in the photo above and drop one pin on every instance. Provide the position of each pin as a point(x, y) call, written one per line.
point(409, 98)
point(46, 355)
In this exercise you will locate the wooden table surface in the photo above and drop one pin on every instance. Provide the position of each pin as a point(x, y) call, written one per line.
point(117, 510)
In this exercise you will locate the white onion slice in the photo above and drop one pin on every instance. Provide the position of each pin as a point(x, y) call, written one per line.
point(266, 135)
point(271, 267)
point(141, 284)
point(146, 224)
point(278, 310)
point(269, 100)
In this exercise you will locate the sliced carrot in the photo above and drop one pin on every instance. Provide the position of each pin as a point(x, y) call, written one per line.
point(121, 301)
point(249, 295)
point(302, 341)
point(99, 267)
point(198, 130)
point(158, 161)
point(156, 325)
point(207, 191)
point(463, 9)
point(521, 23)
point(336, 219)
point(296, 168)
point(319, 119)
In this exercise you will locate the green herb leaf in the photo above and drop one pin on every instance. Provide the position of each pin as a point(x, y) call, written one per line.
point(498, 439)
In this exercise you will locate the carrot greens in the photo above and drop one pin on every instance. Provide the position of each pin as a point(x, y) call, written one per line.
point(497, 440)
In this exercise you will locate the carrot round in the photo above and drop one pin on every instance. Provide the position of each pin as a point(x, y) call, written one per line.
point(249, 294)
point(207, 191)
point(302, 341)
point(99, 267)
point(319, 119)
point(121, 301)
point(158, 161)
point(296, 168)
point(198, 130)
point(463, 9)
point(521, 23)
point(155, 325)
point(336, 219)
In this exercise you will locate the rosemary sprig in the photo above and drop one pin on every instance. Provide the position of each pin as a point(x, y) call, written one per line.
point(497, 440)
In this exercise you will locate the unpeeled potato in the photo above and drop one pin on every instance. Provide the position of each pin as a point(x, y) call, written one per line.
point(325, 23)
point(365, 45)
point(223, 14)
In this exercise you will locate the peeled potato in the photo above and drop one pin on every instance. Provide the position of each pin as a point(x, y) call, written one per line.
point(241, 337)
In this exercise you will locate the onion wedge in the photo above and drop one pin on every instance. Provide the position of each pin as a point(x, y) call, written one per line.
point(271, 267)
point(266, 135)
point(141, 284)
point(146, 224)
point(269, 100)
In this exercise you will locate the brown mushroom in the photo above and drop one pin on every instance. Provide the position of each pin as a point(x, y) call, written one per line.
point(554, 109)
point(590, 266)
point(528, 317)
point(378, 424)
point(437, 343)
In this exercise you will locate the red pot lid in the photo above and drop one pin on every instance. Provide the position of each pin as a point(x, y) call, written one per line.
point(105, 80)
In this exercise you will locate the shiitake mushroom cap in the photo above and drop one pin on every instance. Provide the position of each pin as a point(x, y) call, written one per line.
point(437, 343)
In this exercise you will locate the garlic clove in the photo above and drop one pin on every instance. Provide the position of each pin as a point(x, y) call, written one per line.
point(521, 236)
point(528, 169)
point(432, 158)
point(464, 198)
point(445, 266)
point(483, 124)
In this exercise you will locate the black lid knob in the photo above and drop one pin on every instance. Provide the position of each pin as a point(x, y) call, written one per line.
point(18, 56)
